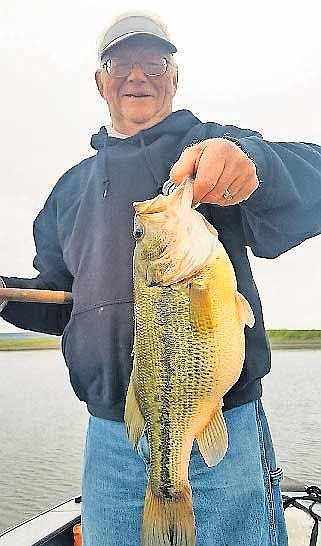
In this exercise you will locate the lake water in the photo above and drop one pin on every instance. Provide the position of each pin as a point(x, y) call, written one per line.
point(42, 427)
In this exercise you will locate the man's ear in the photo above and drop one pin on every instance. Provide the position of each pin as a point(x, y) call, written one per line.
point(99, 83)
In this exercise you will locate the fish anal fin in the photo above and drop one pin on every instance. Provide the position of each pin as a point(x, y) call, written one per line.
point(134, 420)
point(213, 440)
point(244, 309)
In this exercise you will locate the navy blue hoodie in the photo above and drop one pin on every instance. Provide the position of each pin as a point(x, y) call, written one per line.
point(84, 243)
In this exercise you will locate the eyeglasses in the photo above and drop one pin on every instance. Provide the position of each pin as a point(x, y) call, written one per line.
point(151, 67)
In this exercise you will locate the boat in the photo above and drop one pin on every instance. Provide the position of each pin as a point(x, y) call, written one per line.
point(54, 527)
point(57, 526)
point(302, 509)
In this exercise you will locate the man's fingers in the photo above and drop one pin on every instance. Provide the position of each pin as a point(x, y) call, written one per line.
point(237, 191)
point(234, 193)
point(210, 169)
point(217, 165)
point(186, 165)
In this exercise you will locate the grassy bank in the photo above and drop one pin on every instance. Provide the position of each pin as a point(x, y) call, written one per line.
point(295, 339)
point(29, 344)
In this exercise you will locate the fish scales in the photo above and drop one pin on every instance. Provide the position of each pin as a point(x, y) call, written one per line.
point(158, 377)
point(168, 371)
point(188, 351)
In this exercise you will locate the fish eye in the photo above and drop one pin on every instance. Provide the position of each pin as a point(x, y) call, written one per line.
point(138, 233)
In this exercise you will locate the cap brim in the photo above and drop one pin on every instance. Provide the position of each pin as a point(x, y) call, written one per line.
point(128, 35)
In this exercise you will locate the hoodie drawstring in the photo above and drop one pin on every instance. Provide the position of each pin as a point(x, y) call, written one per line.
point(149, 163)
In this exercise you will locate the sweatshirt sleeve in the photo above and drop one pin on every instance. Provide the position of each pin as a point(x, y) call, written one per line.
point(53, 275)
point(285, 210)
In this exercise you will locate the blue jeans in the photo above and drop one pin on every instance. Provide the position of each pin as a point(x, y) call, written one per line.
point(236, 503)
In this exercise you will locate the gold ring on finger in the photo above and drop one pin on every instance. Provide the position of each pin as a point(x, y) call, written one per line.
point(227, 195)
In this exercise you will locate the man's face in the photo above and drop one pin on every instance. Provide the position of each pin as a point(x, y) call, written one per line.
point(137, 101)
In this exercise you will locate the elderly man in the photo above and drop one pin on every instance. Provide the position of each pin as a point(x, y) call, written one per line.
point(259, 194)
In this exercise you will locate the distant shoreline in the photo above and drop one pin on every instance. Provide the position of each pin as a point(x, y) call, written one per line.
point(294, 339)
point(295, 344)
point(279, 339)
point(29, 344)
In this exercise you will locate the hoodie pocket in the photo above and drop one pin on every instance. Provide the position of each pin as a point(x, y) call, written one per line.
point(97, 345)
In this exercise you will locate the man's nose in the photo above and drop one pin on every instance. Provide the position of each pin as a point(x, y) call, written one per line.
point(136, 73)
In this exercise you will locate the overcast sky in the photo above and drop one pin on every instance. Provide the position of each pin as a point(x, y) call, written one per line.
point(251, 64)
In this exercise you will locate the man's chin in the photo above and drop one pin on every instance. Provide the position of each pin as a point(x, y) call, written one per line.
point(146, 118)
point(141, 117)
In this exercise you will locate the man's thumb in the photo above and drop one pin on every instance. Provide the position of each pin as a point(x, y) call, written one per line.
point(186, 165)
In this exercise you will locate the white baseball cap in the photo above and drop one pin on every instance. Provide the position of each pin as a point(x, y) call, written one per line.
point(134, 25)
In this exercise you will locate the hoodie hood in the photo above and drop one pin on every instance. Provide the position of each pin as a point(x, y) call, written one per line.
point(98, 140)
point(175, 123)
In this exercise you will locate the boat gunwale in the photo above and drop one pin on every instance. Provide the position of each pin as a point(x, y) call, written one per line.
point(76, 500)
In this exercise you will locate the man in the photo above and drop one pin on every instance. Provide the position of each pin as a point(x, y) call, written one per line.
point(259, 194)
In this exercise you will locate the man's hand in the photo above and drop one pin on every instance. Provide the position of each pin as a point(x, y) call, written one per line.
point(223, 174)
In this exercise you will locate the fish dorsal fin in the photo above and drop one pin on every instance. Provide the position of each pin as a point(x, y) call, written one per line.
point(213, 439)
point(244, 309)
point(133, 417)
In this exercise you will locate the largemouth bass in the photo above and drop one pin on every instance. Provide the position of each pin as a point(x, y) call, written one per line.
point(189, 350)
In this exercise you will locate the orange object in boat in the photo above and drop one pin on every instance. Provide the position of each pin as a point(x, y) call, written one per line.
point(77, 535)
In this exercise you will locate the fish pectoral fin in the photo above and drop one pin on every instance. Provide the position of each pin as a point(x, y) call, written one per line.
point(200, 304)
point(244, 309)
point(134, 420)
point(213, 440)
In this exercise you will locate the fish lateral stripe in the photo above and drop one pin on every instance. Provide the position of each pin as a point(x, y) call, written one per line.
point(166, 483)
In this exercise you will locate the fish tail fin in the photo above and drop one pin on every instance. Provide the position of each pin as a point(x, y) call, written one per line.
point(168, 521)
